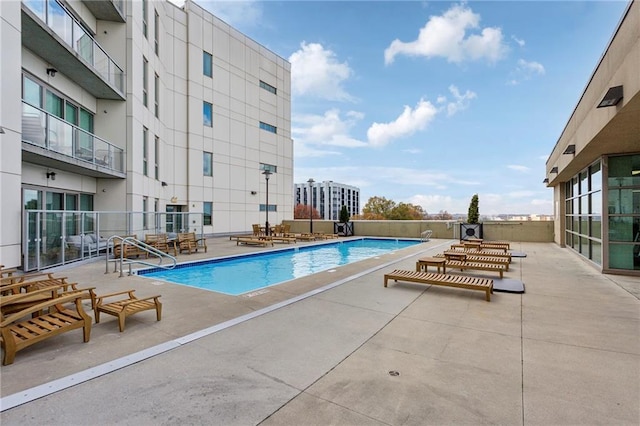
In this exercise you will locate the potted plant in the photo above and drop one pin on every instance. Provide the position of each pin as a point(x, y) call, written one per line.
point(343, 228)
point(472, 228)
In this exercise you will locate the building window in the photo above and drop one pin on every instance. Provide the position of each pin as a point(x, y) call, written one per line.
point(157, 158)
point(145, 81)
point(145, 11)
point(272, 207)
point(156, 96)
point(156, 32)
point(207, 114)
point(623, 208)
point(145, 212)
point(207, 208)
point(207, 163)
point(583, 213)
point(268, 127)
point(145, 151)
point(268, 87)
point(207, 64)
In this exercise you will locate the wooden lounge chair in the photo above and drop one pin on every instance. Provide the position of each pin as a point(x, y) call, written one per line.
point(479, 258)
point(124, 307)
point(459, 281)
point(282, 239)
point(306, 237)
point(188, 241)
point(493, 253)
point(32, 282)
point(481, 246)
point(20, 330)
point(462, 265)
point(254, 241)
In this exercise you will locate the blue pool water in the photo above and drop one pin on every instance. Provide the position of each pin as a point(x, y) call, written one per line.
point(242, 274)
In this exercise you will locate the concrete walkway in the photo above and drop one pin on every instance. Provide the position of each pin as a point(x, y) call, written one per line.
point(339, 348)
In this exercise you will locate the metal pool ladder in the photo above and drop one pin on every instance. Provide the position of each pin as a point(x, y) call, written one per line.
point(139, 245)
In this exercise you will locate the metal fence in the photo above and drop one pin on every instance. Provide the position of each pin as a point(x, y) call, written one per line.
point(57, 237)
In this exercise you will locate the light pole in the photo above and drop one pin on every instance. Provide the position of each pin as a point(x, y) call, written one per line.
point(267, 174)
point(310, 181)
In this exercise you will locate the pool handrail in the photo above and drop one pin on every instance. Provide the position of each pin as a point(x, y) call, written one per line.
point(122, 260)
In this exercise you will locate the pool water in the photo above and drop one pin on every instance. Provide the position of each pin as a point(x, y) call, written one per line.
point(242, 274)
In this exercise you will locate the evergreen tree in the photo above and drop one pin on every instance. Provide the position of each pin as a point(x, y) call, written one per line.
point(474, 213)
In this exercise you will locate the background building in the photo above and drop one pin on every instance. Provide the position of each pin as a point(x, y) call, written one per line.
point(594, 168)
point(135, 106)
point(328, 197)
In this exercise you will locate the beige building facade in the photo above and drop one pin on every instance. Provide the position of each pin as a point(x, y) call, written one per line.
point(594, 168)
point(135, 106)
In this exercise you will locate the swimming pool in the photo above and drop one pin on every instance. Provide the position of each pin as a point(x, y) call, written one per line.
point(241, 274)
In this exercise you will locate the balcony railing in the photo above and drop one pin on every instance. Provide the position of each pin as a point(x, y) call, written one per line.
point(48, 131)
point(56, 17)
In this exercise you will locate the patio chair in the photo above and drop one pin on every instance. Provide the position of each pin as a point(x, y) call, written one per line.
point(125, 306)
point(20, 330)
point(188, 241)
point(161, 242)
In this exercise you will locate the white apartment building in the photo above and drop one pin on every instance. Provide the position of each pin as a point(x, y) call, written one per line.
point(135, 106)
point(328, 197)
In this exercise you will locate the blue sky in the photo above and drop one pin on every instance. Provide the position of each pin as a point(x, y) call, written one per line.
point(431, 102)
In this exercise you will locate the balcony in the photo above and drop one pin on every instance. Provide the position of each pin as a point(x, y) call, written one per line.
point(53, 34)
point(107, 10)
point(52, 142)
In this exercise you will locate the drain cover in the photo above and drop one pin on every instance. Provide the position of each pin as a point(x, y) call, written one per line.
point(394, 373)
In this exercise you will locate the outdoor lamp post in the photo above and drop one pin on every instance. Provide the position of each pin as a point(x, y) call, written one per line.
point(267, 174)
point(310, 181)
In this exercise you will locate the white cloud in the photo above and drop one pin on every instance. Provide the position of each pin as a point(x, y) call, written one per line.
point(519, 168)
point(518, 41)
point(315, 71)
point(329, 129)
point(446, 36)
point(461, 101)
point(525, 70)
point(410, 121)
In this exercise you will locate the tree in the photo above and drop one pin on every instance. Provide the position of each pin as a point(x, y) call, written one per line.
point(377, 208)
point(406, 211)
point(301, 211)
point(474, 213)
point(344, 214)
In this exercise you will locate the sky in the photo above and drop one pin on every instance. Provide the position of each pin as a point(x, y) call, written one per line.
point(431, 102)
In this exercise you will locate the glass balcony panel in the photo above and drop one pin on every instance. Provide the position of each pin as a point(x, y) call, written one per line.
point(68, 139)
point(38, 7)
point(60, 136)
point(33, 125)
point(84, 145)
point(82, 43)
point(60, 21)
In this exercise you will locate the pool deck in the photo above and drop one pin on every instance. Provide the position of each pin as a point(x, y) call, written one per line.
point(339, 348)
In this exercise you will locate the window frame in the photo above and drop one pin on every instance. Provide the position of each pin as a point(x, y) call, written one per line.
point(207, 114)
point(207, 162)
point(207, 64)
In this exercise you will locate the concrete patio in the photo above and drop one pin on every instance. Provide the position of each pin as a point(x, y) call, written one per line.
point(339, 348)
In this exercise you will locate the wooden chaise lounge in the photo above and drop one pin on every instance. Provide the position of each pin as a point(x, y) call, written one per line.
point(504, 247)
point(254, 241)
point(306, 237)
point(281, 239)
point(462, 265)
point(479, 258)
point(459, 281)
point(493, 253)
point(20, 330)
point(126, 306)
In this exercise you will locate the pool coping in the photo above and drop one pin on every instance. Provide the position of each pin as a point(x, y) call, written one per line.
point(45, 389)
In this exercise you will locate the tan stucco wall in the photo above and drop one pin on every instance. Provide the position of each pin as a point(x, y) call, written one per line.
point(535, 231)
